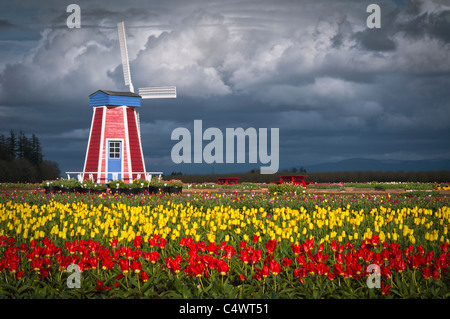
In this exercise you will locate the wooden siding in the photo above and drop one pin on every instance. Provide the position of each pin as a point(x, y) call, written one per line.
point(136, 155)
point(91, 164)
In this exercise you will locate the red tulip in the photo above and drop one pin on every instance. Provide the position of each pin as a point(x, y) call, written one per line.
point(258, 274)
point(36, 264)
point(136, 266)
point(296, 249)
point(162, 243)
point(265, 271)
point(154, 256)
point(212, 248)
point(301, 260)
point(330, 276)
point(386, 272)
point(185, 241)
point(356, 268)
point(339, 258)
point(137, 241)
point(338, 270)
point(322, 269)
point(19, 274)
point(107, 264)
point(173, 264)
point(257, 255)
point(261, 273)
point(222, 267)
point(229, 252)
point(241, 277)
point(334, 245)
point(429, 258)
point(385, 289)
point(401, 266)
point(144, 276)
point(275, 267)
point(320, 248)
point(255, 238)
point(244, 257)
point(385, 254)
point(420, 250)
point(271, 245)
point(124, 266)
point(436, 274)
point(414, 261)
point(13, 267)
point(286, 262)
point(100, 286)
point(93, 261)
point(409, 250)
point(311, 268)
point(152, 241)
point(195, 270)
point(426, 272)
point(320, 256)
point(308, 244)
point(440, 262)
point(369, 255)
point(201, 246)
point(375, 240)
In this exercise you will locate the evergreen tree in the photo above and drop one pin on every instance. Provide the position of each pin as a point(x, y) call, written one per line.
point(21, 160)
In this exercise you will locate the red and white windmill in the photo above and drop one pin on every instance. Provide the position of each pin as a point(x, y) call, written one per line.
point(114, 149)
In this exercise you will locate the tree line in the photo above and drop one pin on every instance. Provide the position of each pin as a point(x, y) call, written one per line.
point(21, 160)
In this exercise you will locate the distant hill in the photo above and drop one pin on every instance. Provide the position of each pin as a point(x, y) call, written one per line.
point(363, 164)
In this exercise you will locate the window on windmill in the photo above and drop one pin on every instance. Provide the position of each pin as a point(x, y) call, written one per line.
point(114, 149)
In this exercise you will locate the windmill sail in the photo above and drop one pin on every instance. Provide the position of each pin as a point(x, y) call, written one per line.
point(162, 92)
point(124, 55)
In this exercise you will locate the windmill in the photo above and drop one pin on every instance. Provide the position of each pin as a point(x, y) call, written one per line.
point(114, 148)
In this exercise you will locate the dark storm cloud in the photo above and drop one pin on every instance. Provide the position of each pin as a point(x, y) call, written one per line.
point(375, 40)
point(434, 24)
point(333, 87)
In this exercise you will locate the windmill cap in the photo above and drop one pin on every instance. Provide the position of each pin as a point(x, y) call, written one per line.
point(102, 97)
point(116, 93)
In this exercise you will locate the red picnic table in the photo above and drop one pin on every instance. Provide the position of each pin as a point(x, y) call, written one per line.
point(294, 179)
point(228, 181)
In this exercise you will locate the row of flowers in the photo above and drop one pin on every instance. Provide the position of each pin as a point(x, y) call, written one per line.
point(338, 269)
point(136, 187)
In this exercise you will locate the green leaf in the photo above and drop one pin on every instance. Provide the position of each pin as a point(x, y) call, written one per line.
point(186, 292)
point(170, 294)
point(131, 292)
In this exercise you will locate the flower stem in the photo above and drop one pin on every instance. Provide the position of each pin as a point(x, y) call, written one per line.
point(138, 281)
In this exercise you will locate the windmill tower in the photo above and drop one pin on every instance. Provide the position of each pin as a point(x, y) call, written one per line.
point(114, 148)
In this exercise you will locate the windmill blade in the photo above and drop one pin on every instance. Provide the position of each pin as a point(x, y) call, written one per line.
point(161, 92)
point(124, 55)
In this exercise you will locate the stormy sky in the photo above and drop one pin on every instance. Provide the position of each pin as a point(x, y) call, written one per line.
point(334, 88)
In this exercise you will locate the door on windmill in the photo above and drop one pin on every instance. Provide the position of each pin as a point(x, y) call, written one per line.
point(114, 160)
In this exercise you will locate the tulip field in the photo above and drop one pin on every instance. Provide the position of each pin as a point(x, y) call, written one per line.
point(224, 245)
